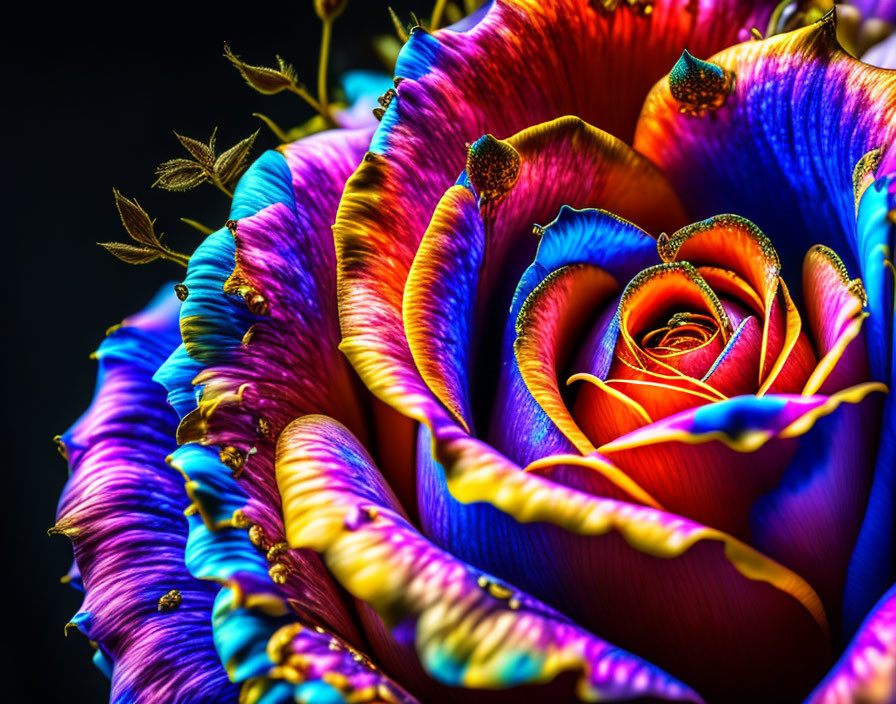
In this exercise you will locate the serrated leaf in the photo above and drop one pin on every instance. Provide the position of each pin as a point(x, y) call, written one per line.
point(202, 153)
point(263, 79)
point(135, 220)
point(131, 254)
point(180, 175)
point(231, 163)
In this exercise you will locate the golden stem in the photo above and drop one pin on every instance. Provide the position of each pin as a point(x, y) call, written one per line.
point(437, 14)
point(221, 187)
point(204, 229)
point(399, 28)
point(322, 69)
point(273, 126)
point(307, 97)
point(181, 259)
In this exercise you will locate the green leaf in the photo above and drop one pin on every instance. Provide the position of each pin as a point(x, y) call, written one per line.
point(230, 165)
point(131, 254)
point(180, 175)
point(135, 220)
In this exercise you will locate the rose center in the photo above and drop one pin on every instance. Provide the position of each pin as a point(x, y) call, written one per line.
point(683, 332)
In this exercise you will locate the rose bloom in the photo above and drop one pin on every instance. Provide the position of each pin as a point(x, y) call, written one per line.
point(566, 381)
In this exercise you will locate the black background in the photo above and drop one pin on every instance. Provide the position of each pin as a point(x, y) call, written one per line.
point(91, 98)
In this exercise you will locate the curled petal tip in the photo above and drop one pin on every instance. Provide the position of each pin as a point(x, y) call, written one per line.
point(699, 85)
point(493, 167)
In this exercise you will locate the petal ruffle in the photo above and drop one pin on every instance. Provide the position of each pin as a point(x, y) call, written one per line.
point(273, 266)
point(123, 509)
point(470, 629)
point(704, 606)
point(279, 660)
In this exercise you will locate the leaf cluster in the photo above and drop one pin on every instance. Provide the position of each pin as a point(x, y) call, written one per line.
point(223, 170)
point(141, 229)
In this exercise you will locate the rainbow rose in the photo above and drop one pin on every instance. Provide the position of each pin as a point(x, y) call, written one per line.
point(568, 380)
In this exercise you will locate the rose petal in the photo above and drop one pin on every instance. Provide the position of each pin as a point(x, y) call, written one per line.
point(873, 564)
point(548, 325)
point(811, 520)
point(713, 463)
point(520, 426)
point(834, 307)
point(439, 300)
point(471, 630)
point(123, 509)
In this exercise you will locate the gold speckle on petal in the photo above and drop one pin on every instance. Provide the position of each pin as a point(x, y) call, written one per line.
point(493, 167)
point(239, 519)
point(263, 427)
point(698, 85)
point(232, 458)
point(256, 535)
point(663, 248)
point(857, 289)
point(276, 550)
point(864, 173)
point(642, 7)
point(60, 447)
point(278, 572)
point(257, 303)
point(170, 601)
point(498, 591)
point(181, 291)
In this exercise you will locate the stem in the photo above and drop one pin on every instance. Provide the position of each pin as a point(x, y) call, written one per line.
point(307, 97)
point(221, 187)
point(273, 126)
point(437, 14)
point(322, 69)
point(197, 226)
point(181, 259)
point(399, 29)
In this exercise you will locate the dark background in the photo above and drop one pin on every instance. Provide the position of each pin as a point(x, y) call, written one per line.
point(91, 98)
